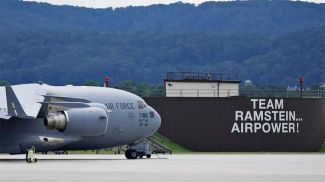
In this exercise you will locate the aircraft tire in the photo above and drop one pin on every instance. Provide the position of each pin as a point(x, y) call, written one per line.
point(127, 154)
point(133, 154)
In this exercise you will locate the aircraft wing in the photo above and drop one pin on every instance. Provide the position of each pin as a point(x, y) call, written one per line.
point(21, 101)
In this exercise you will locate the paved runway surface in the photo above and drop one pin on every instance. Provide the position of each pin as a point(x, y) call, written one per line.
point(178, 168)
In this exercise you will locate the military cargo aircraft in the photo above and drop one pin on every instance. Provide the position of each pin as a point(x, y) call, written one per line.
point(59, 118)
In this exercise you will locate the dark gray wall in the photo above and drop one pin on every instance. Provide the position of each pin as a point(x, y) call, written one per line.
point(205, 124)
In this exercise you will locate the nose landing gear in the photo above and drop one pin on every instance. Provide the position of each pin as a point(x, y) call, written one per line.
point(30, 155)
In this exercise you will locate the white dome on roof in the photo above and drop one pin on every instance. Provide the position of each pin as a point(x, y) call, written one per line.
point(248, 82)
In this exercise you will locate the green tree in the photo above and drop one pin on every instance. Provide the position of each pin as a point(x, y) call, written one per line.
point(4, 83)
point(141, 89)
point(91, 83)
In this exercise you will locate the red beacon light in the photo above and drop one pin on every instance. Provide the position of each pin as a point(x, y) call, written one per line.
point(106, 81)
point(301, 79)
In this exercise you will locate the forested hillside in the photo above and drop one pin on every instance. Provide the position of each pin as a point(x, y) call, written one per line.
point(240, 16)
point(268, 42)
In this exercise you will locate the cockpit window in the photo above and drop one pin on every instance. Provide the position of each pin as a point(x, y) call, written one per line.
point(152, 114)
point(141, 104)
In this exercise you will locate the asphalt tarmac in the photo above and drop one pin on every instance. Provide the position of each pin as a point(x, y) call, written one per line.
point(166, 168)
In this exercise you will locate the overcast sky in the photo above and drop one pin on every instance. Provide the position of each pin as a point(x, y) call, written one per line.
point(123, 3)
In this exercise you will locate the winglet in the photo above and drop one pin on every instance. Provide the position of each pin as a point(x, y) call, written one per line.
point(13, 104)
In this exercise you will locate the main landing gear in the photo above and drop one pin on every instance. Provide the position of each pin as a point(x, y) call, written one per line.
point(131, 154)
point(30, 155)
point(138, 151)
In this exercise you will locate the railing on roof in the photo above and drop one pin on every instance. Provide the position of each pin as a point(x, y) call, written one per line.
point(285, 93)
point(198, 76)
point(266, 93)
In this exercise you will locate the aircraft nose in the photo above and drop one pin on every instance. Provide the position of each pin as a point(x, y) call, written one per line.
point(156, 119)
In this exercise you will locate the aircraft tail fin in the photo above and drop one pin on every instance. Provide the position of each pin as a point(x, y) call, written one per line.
point(21, 101)
point(13, 104)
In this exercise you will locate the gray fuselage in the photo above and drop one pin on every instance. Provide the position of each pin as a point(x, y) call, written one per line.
point(130, 120)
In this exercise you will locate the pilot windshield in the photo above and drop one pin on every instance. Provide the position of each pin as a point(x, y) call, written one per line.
point(141, 104)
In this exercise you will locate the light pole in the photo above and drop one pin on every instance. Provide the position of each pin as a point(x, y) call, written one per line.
point(301, 80)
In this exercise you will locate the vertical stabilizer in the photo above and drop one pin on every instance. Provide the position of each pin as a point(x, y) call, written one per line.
point(13, 104)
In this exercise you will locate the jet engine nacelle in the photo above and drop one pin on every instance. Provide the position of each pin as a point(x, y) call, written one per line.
point(90, 121)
